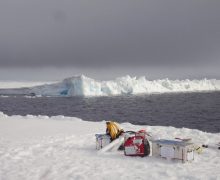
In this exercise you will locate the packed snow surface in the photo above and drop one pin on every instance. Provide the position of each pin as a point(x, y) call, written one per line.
point(85, 86)
point(42, 147)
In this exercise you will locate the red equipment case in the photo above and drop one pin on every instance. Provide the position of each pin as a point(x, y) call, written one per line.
point(137, 145)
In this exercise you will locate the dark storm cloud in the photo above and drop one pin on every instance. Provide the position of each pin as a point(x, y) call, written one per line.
point(109, 33)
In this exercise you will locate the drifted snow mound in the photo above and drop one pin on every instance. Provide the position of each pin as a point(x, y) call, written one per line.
point(85, 86)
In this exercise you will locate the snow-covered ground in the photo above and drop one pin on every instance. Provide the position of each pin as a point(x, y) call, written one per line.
point(85, 86)
point(42, 147)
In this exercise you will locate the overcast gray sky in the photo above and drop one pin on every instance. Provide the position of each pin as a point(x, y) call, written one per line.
point(51, 39)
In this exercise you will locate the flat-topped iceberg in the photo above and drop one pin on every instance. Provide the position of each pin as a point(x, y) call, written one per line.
point(85, 86)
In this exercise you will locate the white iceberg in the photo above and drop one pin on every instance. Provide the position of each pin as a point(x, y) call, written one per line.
point(85, 86)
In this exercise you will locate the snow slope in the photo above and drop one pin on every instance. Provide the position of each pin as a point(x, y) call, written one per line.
point(84, 86)
point(42, 147)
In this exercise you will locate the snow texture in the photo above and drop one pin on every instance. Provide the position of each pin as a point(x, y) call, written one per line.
point(85, 86)
point(42, 147)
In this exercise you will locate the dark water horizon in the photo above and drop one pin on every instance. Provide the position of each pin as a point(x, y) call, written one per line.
point(190, 110)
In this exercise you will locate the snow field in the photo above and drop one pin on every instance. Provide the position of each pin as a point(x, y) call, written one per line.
point(42, 147)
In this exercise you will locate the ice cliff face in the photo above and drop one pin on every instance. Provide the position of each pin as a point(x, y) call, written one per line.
point(84, 86)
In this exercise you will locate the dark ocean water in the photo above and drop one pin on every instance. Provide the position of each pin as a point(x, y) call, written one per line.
point(191, 110)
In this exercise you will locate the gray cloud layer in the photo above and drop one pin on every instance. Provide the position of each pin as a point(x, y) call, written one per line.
point(85, 33)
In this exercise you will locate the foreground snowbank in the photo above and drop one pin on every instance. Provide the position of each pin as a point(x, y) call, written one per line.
point(84, 86)
point(41, 147)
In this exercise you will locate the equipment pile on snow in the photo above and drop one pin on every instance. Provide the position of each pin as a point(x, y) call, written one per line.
point(142, 144)
point(133, 143)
